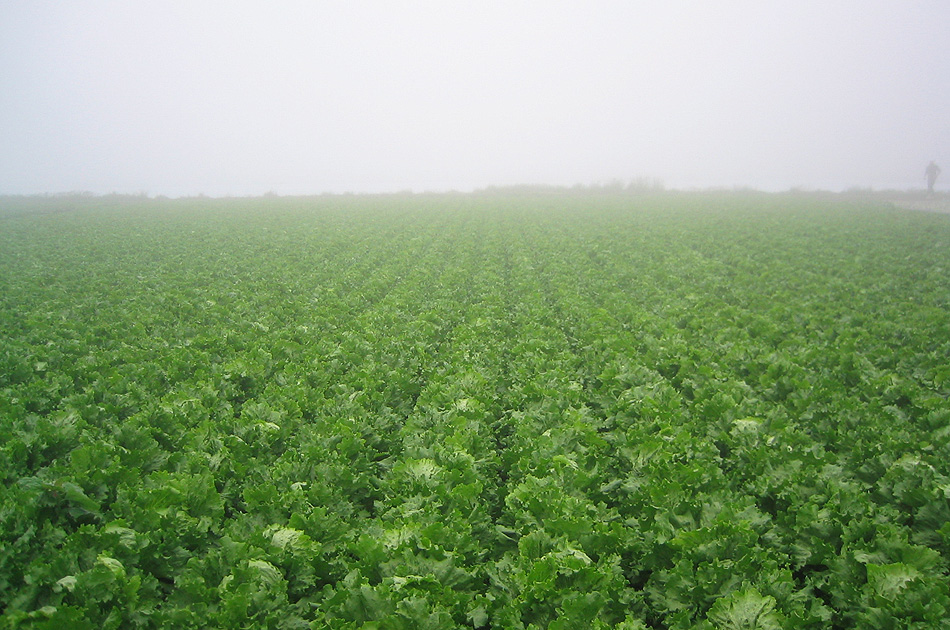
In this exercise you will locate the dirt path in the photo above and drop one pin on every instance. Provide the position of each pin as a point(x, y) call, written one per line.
point(939, 202)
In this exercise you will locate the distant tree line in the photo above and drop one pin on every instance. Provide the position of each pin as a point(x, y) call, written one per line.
point(613, 186)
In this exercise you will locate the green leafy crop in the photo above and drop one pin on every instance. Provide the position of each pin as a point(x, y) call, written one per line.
point(676, 411)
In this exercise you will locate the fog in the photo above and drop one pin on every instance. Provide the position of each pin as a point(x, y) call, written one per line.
point(237, 98)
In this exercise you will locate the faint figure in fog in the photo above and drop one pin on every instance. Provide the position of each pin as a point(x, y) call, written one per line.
point(931, 173)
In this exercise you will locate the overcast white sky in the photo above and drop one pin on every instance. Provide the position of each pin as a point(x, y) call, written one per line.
point(242, 97)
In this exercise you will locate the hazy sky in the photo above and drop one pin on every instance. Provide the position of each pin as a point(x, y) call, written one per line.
point(177, 98)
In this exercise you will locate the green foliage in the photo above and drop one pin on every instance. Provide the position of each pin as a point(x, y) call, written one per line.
point(745, 610)
point(673, 411)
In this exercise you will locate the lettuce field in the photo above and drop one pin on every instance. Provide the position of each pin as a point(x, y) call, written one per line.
point(669, 411)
